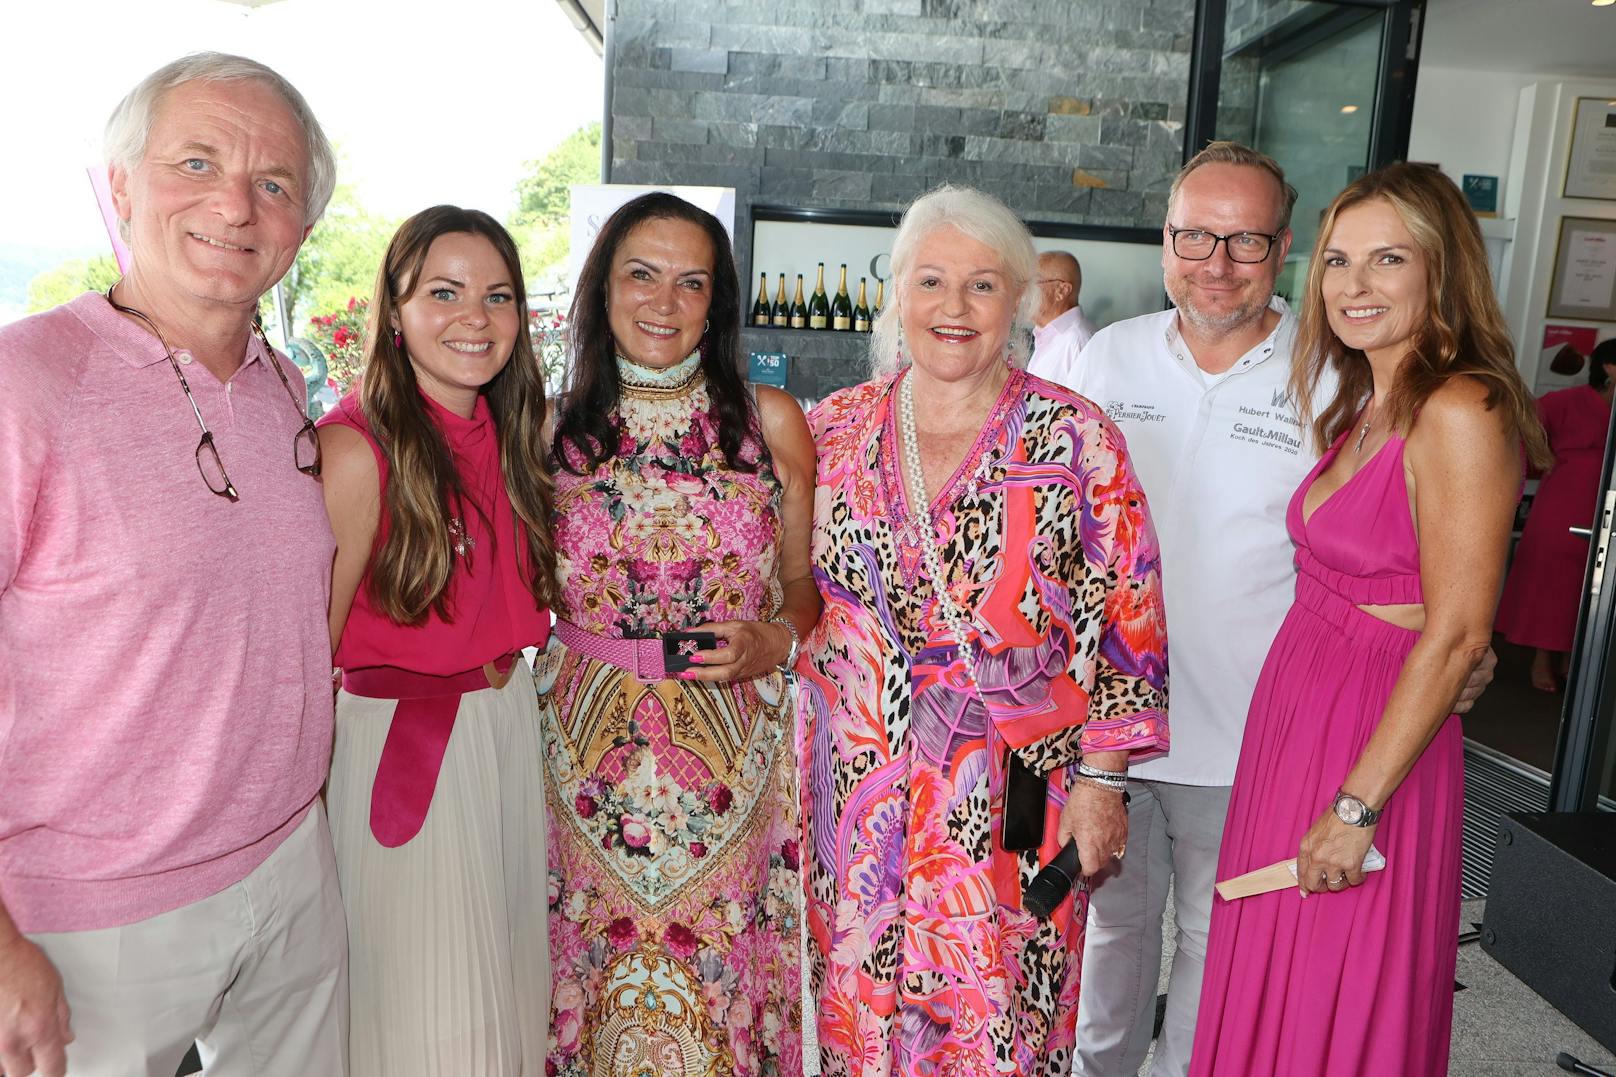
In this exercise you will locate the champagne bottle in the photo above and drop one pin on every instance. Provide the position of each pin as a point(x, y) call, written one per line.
point(761, 311)
point(880, 299)
point(861, 313)
point(841, 308)
point(818, 304)
point(780, 314)
point(799, 310)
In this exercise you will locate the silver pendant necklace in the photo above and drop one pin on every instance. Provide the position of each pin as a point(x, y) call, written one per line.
point(1369, 421)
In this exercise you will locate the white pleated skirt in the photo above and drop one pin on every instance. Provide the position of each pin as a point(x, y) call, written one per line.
point(448, 948)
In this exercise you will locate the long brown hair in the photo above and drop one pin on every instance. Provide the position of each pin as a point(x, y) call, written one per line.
point(410, 570)
point(1463, 333)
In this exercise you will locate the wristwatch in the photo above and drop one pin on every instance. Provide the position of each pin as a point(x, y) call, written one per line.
point(1354, 812)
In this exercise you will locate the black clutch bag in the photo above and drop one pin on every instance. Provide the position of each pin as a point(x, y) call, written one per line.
point(1026, 800)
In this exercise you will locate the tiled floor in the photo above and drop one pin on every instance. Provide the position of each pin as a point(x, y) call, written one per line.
point(1501, 1027)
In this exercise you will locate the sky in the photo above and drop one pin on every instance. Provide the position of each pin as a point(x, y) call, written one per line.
point(428, 101)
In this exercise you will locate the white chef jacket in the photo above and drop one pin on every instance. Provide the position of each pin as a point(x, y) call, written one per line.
point(1055, 346)
point(1219, 457)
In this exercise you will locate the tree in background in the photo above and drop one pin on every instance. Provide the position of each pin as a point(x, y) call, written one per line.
point(339, 259)
point(70, 279)
point(541, 223)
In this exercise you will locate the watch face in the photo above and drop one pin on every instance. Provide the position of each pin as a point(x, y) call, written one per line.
point(1349, 810)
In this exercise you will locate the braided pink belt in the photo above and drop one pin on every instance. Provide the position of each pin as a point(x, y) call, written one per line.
point(641, 657)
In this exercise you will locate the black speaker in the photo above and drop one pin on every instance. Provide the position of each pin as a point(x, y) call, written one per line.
point(1551, 912)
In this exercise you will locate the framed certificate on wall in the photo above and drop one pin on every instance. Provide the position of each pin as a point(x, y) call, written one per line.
point(1584, 285)
point(1591, 171)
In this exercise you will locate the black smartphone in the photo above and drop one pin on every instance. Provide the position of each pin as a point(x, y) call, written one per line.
point(677, 647)
point(1026, 801)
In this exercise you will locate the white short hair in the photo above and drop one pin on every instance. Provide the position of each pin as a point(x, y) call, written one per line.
point(985, 219)
point(123, 143)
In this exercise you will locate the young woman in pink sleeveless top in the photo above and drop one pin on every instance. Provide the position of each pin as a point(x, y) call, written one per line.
point(438, 493)
point(1351, 744)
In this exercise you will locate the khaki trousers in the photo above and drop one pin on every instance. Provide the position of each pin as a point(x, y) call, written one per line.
point(255, 975)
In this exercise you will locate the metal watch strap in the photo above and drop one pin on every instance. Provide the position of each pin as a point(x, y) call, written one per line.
point(1369, 817)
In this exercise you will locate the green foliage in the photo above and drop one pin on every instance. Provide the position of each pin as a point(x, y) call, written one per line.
point(541, 224)
point(340, 335)
point(339, 260)
point(68, 280)
point(544, 196)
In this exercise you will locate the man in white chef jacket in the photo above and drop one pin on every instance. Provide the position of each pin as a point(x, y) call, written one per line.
point(1200, 393)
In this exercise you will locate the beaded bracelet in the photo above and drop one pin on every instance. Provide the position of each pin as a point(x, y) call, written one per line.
point(1118, 778)
point(1109, 787)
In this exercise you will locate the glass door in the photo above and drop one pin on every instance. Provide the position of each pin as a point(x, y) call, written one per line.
point(1584, 776)
point(1305, 97)
point(1325, 87)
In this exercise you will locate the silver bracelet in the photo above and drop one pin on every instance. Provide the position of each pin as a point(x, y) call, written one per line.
point(1118, 778)
point(796, 642)
point(1109, 787)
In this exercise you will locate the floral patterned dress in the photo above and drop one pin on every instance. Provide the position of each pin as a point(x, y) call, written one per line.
point(922, 959)
point(673, 824)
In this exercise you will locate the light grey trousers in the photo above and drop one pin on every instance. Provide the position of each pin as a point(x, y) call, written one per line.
point(1173, 836)
point(255, 974)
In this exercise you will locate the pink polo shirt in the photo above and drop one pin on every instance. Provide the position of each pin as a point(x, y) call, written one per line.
point(165, 696)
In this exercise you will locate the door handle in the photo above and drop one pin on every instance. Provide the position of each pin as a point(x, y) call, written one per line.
point(1603, 521)
point(1582, 532)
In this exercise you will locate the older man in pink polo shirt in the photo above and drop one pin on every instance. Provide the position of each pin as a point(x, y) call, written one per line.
point(166, 873)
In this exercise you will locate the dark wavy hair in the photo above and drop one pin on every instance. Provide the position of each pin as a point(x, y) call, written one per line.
point(588, 421)
point(1604, 352)
point(409, 572)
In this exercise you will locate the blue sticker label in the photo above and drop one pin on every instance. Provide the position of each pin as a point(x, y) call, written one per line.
point(1482, 193)
point(768, 368)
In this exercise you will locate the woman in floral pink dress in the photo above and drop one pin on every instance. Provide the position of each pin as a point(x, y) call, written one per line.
point(992, 593)
point(682, 505)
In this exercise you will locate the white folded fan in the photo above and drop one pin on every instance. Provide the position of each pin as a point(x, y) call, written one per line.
point(1280, 876)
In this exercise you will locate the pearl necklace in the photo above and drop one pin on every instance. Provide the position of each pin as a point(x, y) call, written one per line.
point(920, 519)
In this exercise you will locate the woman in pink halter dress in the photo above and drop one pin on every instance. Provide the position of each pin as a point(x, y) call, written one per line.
point(1351, 743)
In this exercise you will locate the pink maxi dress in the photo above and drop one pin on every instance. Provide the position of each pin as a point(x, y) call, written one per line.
point(1544, 589)
point(1358, 982)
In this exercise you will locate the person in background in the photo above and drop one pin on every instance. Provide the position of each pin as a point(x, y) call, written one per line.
point(683, 506)
point(166, 873)
point(1544, 586)
point(440, 497)
point(1062, 329)
point(992, 608)
point(1201, 391)
point(1352, 744)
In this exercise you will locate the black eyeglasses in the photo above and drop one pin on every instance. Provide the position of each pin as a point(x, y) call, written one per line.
point(305, 443)
point(1195, 245)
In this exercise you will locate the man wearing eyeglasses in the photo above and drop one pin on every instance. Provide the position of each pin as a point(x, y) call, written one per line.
point(1200, 390)
point(1062, 327)
point(166, 874)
